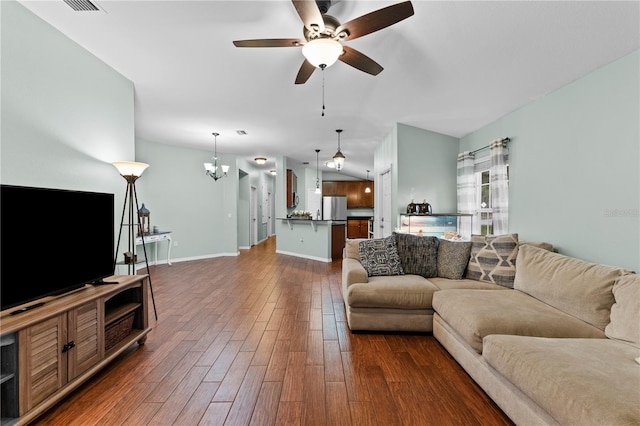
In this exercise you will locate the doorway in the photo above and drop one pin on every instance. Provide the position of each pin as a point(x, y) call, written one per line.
point(386, 221)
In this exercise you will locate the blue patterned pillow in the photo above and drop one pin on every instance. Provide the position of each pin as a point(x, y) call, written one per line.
point(380, 256)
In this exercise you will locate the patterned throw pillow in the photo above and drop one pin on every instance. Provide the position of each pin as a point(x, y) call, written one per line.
point(453, 258)
point(418, 255)
point(379, 256)
point(493, 259)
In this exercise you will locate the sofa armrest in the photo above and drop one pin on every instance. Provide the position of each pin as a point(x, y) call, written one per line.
point(352, 273)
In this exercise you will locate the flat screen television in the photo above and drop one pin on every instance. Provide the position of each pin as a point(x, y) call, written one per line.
point(52, 241)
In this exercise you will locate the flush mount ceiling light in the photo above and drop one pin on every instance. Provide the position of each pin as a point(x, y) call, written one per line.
point(211, 169)
point(338, 158)
point(260, 160)
point(273, 172)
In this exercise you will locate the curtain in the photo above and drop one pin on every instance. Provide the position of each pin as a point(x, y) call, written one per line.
point(499, 187)
point(466, 190)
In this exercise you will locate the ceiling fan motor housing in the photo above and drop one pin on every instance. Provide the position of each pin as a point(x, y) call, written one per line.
point(330, 25)
point(323, 5)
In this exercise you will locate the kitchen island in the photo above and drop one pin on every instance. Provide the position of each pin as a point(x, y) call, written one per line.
point(321, 240)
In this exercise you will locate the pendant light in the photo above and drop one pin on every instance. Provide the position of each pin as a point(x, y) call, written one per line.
point(318, 190)
point(212, 169)
point(368, 188)
point(338, 159)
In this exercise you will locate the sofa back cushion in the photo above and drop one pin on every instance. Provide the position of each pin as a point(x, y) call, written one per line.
point(418, 255)
point(453, 258)
point(379, 256)
point(625, 312)
point(351, 249)
point(493, 259)
point(577, 287)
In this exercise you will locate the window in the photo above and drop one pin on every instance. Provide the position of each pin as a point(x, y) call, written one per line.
point(483, 222)
point(483, 203)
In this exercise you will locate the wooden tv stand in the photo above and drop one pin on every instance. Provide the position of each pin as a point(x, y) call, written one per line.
point(50, 350)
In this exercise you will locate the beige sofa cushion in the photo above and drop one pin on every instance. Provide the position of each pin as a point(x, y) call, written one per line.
point(625, 313)
point(445, 283)
point(351, 249)
point(577, 381)
point(579, 288)
point(474, 314)
point(398, 291)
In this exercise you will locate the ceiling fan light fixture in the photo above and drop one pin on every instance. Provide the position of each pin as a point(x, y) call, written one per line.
point(322, 52)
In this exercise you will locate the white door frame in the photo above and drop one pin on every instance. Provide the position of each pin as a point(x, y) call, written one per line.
point(385, 225)
point(269, 200)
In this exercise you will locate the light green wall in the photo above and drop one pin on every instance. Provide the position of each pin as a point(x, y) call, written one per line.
point(574, 161)
point(423, 166)
point(201, 213)
point(428, 169)
point(66, 115)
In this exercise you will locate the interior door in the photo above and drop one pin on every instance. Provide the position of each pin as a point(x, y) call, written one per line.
point(386, 221)
point(253, 216)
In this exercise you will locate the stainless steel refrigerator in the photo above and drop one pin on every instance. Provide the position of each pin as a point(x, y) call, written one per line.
point(334, 208)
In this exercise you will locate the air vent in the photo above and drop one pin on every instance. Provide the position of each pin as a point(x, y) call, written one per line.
point(241, 132)
point(82, 5)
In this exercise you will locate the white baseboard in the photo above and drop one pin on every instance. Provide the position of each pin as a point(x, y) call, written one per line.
point(319, 259)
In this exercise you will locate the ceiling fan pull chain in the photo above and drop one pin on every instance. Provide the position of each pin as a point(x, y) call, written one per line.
point(322, 68)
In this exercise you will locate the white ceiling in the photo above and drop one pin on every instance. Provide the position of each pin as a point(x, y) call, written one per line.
point(451, 68)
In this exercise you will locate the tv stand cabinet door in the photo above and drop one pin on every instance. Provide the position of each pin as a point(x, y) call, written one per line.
point(86, 331)
point(43, 365)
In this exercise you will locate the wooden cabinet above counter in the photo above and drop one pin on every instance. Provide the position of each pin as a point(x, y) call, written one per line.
point(352, 189)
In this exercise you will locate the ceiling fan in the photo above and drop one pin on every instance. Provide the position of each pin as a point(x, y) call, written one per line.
point(323, 33)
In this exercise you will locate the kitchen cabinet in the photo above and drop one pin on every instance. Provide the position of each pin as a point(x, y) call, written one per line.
point(353, 190)
point(337, 241)
point(357, 228)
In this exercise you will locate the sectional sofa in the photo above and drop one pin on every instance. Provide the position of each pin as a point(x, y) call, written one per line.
point(550, 338)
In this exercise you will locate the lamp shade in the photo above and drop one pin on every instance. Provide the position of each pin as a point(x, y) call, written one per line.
point(130, 168)
point(322, 52)
point(338, 159)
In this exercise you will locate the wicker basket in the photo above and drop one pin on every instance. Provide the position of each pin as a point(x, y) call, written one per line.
point(118, 330)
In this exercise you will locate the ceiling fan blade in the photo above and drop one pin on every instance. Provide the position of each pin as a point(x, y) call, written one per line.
point(310, 14)
point(360, 61)
point(377, 20)
point(305, 72)
point(270, 42)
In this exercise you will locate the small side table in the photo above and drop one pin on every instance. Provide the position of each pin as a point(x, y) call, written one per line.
point(156, 238)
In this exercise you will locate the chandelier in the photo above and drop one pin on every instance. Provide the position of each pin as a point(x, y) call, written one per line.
point(211, 169)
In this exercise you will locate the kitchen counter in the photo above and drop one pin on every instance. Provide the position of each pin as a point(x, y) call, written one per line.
point(321, 240)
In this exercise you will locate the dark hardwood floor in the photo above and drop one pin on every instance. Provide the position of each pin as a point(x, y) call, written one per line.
point(261, 339)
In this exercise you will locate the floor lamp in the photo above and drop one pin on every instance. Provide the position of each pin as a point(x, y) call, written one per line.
point(131, 171)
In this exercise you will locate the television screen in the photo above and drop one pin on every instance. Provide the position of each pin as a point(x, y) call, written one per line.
point(52, 241)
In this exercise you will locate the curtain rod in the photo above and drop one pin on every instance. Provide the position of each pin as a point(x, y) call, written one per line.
point(505, 140)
